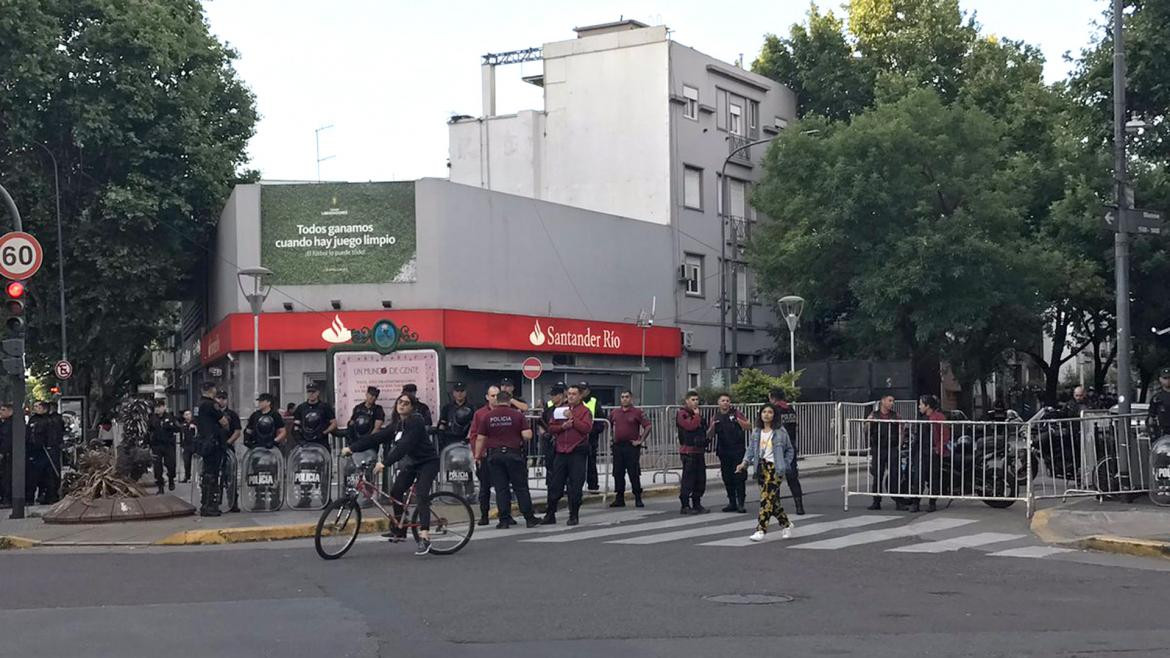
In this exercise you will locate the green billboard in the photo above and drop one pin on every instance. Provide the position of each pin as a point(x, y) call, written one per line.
point(326, 233)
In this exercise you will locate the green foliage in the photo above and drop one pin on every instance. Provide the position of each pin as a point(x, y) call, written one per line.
point(754, 385)
point(148, 123)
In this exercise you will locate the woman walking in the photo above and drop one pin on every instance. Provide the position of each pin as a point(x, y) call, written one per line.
point(771, 449)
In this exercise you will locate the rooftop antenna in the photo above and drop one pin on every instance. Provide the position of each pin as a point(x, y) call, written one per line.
point(317, 139)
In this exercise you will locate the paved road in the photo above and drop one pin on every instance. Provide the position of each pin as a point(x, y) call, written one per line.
point(968, 580)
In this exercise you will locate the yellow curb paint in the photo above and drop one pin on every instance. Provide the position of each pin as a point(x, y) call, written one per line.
point(1041, 529)
point(258, 533)
point(9, 541)
point(1128, 546)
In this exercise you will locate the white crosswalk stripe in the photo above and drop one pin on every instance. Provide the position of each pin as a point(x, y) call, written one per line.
point(624, 529)
point(810, 530)
point(722, 529)
point(1032, 551)
point(957, 543)
point(885, 534)
point(594, 519)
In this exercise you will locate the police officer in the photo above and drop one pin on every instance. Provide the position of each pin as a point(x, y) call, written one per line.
point(508, 386)
point(692, 445)
point(483, 474)
point(590, 403)
point(630, 429)
point(423, 410)
point(161, 430)
point(314, 418)
point(187, 440)
point(1159, 412)
point(367, 417)
point(5, 454)
point(455, 417)
point(500, 437)
point(265, 425)
point(786, 417)
point(211, 424)
point(729, 428)
point(39, 476)
point(235, 430)
point(885, 452)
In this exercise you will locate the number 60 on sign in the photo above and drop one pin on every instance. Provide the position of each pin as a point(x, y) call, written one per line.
point(20, 255)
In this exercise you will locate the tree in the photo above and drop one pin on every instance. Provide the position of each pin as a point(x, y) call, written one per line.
point(148, 123)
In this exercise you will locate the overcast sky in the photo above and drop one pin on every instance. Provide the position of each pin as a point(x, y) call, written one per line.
point(387, 74)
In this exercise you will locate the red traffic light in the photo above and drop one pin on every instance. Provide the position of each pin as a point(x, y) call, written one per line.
point(15, 289)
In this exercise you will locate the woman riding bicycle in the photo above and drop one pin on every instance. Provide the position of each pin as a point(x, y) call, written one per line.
point(406, 438)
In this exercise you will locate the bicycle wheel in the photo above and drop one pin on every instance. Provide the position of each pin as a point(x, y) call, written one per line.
point(337, 529)
point(451, 522)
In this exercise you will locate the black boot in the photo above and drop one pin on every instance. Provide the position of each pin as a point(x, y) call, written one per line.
point(875, 505)
point(484, 517)
point(620, 501)
point(531, 521)
point(638, 500)
point(573, 518)
point(799, 506)
point(697, 507)
point(739, 507)
point(549, 519)
point(686, 508)
point(732, 505)
point(901, 506)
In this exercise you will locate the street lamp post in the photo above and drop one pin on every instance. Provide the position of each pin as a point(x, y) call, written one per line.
point(791, 307)
point(259, 292)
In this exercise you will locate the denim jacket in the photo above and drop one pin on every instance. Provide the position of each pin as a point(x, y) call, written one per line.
point(782, 450)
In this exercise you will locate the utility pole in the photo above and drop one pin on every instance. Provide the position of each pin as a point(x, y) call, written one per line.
point(1121, 238)
point(317, 140)
point(18, 453)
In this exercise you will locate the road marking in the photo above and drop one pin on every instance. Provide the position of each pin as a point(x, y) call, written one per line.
point(885, 534)
point(738, 526)
point(806, 530)
point(625, 529)
point(957, 543)
point(1032, 551)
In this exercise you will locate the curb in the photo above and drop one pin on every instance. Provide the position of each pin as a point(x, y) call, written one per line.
point(1127, 546)
point(258, 533)
point(11, 542)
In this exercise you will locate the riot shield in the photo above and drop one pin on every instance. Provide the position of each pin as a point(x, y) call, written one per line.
point(309, 477)
point(456, 470)
point(1160, 472)
point(263, 489)
point(349, 470)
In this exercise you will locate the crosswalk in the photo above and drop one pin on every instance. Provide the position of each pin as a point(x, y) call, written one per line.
point(935, 534)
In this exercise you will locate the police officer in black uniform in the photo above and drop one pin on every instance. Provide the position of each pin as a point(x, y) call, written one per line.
point(211, 424)
point(367, 417)
point(40, 478)
point(314, 418)
point(161, 430)
point(265, 425)
point(455, 417)
point(729, 428)
point(1159, 412)
point(235, 430)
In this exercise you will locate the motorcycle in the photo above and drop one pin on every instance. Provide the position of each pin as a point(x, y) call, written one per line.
point(979, 462)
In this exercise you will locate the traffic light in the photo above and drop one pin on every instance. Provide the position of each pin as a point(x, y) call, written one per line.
point(12, 346)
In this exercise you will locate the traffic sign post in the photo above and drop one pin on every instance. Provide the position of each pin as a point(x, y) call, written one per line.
point(531, 368)
point(63, 370)
point(20, 255)
point(1142, 222)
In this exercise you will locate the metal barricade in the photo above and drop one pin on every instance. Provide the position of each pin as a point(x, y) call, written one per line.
point(1096, 454)
point(947, 460)
point(816, 428)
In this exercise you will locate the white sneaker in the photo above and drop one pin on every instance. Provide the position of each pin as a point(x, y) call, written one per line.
point(786, 533)
point(758, 536)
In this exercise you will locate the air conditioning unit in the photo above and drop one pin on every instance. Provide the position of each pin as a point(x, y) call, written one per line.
point(688, 339)
point(682, 273)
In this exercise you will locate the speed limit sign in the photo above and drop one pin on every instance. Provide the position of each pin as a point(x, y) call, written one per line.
point(20, 255)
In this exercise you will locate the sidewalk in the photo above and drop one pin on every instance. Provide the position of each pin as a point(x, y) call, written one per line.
point(288, 524)
point(1133, 529)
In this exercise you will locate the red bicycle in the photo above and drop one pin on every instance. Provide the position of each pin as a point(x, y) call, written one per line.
point(337, 530)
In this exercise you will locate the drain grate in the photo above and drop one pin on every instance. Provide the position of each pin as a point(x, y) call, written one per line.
point(749, 599)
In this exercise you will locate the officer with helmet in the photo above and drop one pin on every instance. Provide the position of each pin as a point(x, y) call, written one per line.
point(455, 417)
point(1159, 412)
point(265, 425)
point(367, 417)
point(314, 418)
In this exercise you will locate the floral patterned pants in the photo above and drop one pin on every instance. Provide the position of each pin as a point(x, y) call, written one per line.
point(770, 497)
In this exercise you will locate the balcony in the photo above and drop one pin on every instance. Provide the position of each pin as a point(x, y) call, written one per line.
point(736, 141)
point(743, 313)
point(739, 231)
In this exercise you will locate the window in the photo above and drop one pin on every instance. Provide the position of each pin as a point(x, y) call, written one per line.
point(274, 374)
point(693, 274)
point(737, 195)
point(694, 369)
point(735, 119)
point(691, 108)
point(754, 119)
point(693, 188)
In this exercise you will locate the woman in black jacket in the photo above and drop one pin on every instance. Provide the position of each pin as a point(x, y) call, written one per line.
point(406, 438)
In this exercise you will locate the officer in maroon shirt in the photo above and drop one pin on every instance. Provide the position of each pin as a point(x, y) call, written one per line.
point(483, 474)
point(500, 438)
point(570, 426)
point(692, 444)
point(630, 429)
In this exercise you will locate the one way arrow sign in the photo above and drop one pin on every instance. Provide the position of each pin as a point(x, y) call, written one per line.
point(1143, 222)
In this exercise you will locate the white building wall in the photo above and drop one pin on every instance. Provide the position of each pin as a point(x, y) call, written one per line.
point(514, 145)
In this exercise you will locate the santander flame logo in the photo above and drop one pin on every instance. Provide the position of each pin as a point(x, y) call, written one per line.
point(336, 333)
point(537, 336)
